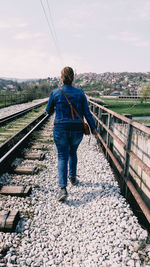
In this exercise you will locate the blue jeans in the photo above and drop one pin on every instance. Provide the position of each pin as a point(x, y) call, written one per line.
point(67, 142)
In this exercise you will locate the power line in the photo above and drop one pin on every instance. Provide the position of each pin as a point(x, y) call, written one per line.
point(52, 23)
point(51, 32)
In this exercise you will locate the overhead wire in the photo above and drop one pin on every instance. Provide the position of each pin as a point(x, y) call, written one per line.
point(52, 23)
point(51, 29)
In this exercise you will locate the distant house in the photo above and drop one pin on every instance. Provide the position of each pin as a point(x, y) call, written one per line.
point(116, 92)
point(11, 88)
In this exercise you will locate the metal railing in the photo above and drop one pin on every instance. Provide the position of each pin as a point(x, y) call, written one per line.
point(116, 134)
point(12, 99)
point(17, 98)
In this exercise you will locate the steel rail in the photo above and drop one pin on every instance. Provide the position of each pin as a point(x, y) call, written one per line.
point(9, 118)
point(5, 159)
point(12, 140)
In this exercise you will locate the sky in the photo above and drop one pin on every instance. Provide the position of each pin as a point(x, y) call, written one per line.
point(40, 37)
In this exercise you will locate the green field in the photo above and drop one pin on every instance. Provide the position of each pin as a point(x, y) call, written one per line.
point(126, 106)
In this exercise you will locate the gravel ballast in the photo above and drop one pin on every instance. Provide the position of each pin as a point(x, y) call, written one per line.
point(16, 108)
point(95, 227)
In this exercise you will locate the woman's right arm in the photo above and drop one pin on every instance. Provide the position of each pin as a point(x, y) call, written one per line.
point(88, 114)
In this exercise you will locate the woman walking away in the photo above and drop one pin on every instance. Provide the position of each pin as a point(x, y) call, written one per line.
point(68, 128)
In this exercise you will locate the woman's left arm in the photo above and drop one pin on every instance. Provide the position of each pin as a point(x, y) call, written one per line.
point(50, 105)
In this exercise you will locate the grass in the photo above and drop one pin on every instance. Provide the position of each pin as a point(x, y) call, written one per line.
point(24, 119)
point(144, 121)
point(133, 107)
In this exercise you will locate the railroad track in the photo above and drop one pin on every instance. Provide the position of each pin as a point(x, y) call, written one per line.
point(28, 144)
point(14, 127)
point(14, 116)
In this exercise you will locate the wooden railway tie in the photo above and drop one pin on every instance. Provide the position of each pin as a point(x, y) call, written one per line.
point(35, 155)
point(9, 220)
point(44, 140)
point(20, 191)
point(39, 147)
point(28, 170)
point(46, 134)
point(5, 134)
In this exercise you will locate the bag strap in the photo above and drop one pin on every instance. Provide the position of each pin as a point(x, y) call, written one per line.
point(71, 107)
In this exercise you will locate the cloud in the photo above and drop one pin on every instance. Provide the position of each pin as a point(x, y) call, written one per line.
point(124, 36)
point(27, 35)
point(88, 15)
point(77, 62)
point(143, 11)
point(12, 24)
point(143, 44)
point(130, 38)
point(135, 11)
point(68, 23)
point(140, 12)
point(27, 63)
point(4, 25)
point(37, 63)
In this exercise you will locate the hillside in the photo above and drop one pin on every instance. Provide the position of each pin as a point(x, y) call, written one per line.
point(126, 83)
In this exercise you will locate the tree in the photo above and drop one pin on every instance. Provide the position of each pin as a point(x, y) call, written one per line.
point(145, 92)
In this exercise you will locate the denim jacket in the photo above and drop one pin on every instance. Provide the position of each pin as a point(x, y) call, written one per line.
point(63, 112)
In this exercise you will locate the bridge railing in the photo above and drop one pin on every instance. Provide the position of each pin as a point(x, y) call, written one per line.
point(18, 98)
point(126, 145)
point(12, 99)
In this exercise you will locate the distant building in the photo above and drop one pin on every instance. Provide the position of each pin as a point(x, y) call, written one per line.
point(11, 88)
point(115, 93)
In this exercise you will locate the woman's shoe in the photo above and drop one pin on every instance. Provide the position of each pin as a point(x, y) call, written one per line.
point(62, 194)
point(73, 180)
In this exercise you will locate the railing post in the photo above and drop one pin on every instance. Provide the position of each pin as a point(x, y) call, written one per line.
point(99, 116)
point(11, 99)
point(111, 140)
point(99, 113)
point(108, 135)
point(5, 100)
point(1, 100)
point(127, 156)
point(89, 104)
point(96, 113)
point(93, 109)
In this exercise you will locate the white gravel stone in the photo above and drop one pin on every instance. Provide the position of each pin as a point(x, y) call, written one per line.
point(28, 261)
point(16, 108)
point(138, 264)
point(130, 263)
